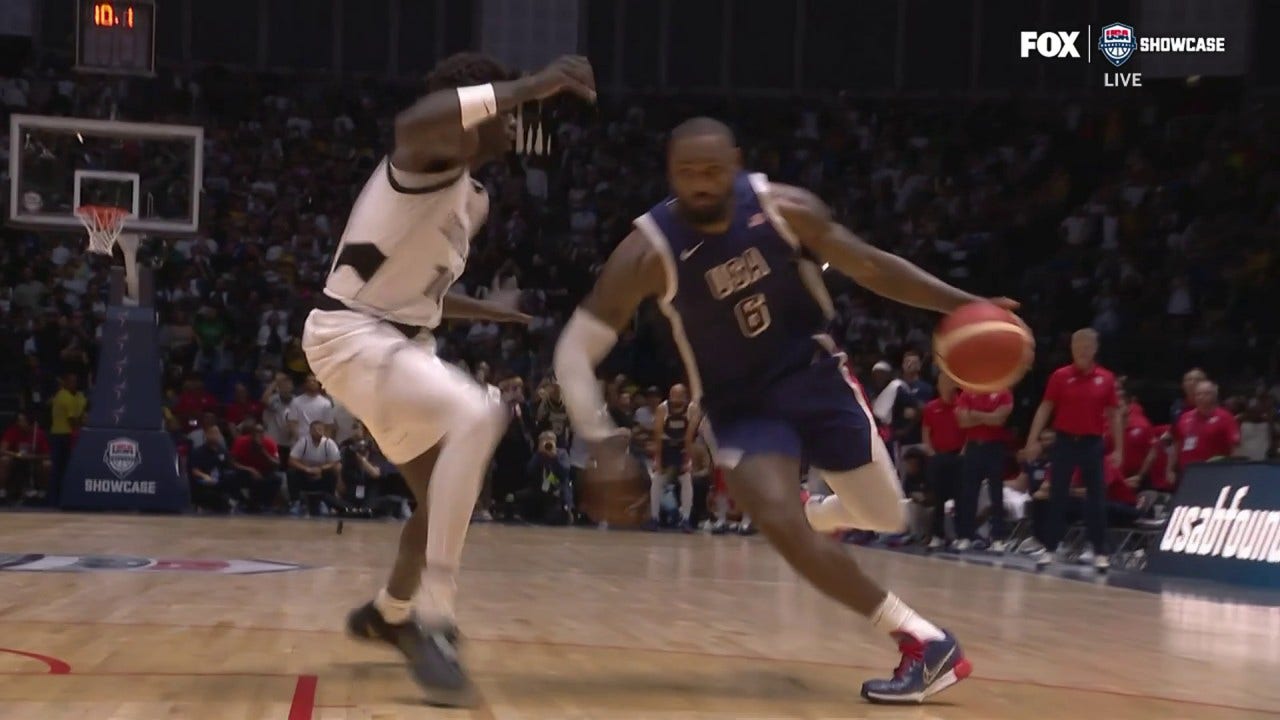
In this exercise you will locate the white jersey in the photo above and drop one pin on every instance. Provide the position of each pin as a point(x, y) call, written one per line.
point(406, 243)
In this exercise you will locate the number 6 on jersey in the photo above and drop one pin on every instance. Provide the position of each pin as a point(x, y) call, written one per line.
point(753, 315)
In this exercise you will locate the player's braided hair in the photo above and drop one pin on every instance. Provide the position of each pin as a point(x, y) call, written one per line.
point(466, 68)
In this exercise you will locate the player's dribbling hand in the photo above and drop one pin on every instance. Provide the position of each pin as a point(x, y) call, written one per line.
point(568, 73)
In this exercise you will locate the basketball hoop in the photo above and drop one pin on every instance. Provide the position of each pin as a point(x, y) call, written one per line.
point(104, 224)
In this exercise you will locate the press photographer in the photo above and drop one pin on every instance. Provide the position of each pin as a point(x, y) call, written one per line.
point(548, 494)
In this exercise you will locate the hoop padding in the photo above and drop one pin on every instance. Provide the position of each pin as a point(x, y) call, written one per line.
point(104, 224)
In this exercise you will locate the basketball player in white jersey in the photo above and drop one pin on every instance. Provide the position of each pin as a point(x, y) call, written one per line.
point(369, 342)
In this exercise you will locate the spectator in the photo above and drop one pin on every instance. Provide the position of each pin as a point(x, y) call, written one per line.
point(1031, 481)
point(551, 414)
point(256, 457)
point(312, 407)
point(194, 401)
point(242, 407)
point(314, 464)
point(913, 394)
point(1138, 440)
point(361, 487)
point(200, 429)
point(982, 417)
point(1190, 379)
point(943, 442)
point(916, 489)
point(1081, 398)
point(1255, 432)
point(1203, 433)
point(24, 455)
point(215, 486)
point(67, 412)
point(646, 412)
point(277, 417)
point(547, 495)
point(516, 446)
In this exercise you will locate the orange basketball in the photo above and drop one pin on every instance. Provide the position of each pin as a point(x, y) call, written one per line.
point(983, 347)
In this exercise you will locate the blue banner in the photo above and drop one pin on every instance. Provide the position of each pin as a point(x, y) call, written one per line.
point(1224, 525)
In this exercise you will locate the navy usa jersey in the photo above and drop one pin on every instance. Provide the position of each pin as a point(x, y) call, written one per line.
point(744, 305)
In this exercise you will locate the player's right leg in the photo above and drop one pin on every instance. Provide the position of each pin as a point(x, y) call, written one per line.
point(931, 657)
point(413, 402)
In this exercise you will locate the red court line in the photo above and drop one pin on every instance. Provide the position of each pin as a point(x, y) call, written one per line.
point(56, 666)
point(304, 698)
point(624, 648)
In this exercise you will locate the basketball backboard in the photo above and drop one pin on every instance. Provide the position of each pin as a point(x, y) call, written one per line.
point(57, 164)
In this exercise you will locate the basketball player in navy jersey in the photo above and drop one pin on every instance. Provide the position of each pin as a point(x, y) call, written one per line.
point(674, 434)
point(733, 262)
point(369, 338)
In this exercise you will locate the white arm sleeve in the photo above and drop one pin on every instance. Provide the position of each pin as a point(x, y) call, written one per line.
point(585, 342)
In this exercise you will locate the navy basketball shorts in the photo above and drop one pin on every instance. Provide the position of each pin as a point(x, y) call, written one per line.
point(817, 413)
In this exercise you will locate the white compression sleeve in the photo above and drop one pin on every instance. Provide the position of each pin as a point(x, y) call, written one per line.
point(585, 342)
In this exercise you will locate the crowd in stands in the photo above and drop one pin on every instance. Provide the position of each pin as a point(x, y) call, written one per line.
point(1154, 221)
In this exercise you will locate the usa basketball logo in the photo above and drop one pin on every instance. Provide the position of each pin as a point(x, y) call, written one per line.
point(1117, 42)
point(122, 457)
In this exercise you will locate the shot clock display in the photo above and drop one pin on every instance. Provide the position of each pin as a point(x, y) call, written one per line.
point(116, 37)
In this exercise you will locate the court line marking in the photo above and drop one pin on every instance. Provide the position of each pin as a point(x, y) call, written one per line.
point(304, 698)
point(589, 646)
point(56, 666)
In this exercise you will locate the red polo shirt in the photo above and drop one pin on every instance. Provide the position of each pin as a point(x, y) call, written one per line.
point(985, 402)
point(1080, 399)
point(944, 430)
point(1138, 437)
point(1117, 490)
point(246, 452)
point(31, 441)
point(1200, 437)
point(1160, 466)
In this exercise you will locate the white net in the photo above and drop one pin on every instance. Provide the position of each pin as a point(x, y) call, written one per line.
point(104, 224)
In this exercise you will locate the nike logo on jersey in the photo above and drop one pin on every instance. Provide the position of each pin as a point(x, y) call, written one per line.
point(689, 252)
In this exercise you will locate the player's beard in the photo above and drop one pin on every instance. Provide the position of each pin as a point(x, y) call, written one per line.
point(704, 216)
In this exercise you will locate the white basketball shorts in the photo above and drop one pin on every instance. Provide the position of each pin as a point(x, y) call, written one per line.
point(406, 396)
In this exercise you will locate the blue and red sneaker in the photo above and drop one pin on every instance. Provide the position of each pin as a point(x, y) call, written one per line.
point(927, 668)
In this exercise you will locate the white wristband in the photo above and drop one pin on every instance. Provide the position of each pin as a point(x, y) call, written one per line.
point(478, 103)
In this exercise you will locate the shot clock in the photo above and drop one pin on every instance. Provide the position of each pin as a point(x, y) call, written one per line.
point(116, 36)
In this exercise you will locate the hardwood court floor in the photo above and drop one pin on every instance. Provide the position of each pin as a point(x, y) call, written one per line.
point(571, 624)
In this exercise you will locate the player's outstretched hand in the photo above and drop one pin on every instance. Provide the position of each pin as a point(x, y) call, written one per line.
point(568, 73)
point(507, 299)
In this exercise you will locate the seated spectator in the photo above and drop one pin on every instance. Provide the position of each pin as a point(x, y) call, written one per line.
point(24, 457)
point(1203, 433)
point(314, 464)
point(199, 429)
point(242, 407)
point(548, 495)
point(194, 401)
point(215, 485)
point(256, 456)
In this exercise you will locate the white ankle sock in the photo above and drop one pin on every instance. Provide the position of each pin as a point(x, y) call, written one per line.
point(893, 615)
point(392, 610)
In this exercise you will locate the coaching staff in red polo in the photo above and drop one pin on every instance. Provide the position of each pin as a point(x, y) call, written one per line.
point(1081, 398)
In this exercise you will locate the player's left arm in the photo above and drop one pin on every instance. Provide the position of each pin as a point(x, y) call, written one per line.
point(457, 306)
point(659, 428)
point(882, 273)
point(693, 420)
